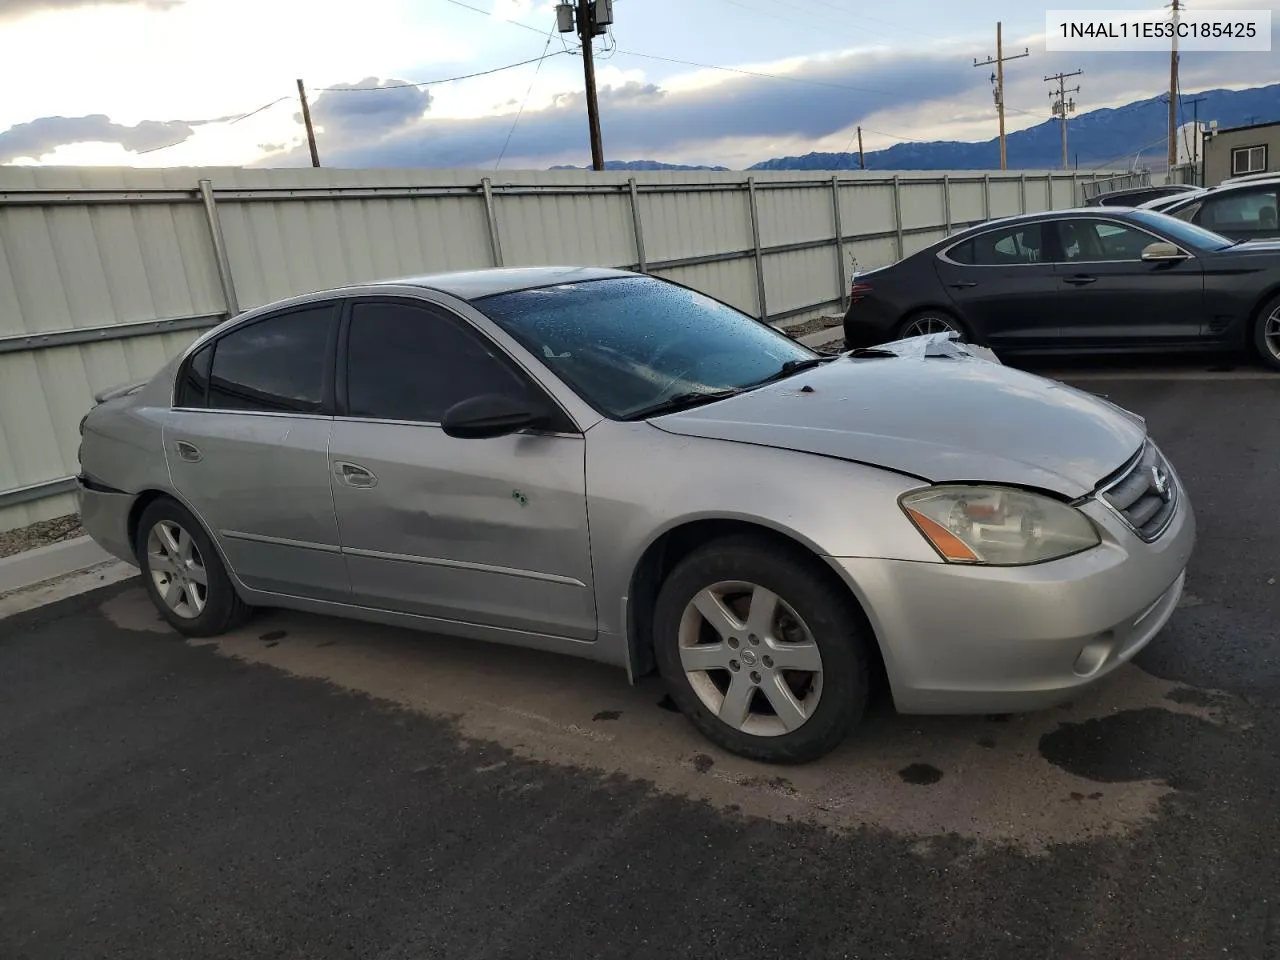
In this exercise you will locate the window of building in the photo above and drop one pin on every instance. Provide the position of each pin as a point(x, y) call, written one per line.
point(1248, 160)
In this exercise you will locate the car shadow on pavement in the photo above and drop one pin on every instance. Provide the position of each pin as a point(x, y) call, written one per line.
point(1025, 781)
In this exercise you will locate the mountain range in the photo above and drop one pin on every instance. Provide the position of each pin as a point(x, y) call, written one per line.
point(1106, 137)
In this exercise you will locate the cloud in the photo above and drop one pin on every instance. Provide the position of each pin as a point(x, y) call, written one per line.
point(689, 123)
point(12, 9)
point(371, 107)
point(44, 135)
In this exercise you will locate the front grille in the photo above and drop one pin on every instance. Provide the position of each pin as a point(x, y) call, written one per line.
point(1144, 493)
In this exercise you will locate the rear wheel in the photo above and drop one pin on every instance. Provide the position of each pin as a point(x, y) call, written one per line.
point(763, 653)
point(1266, 334)
point(924, 322)
point(183, 573)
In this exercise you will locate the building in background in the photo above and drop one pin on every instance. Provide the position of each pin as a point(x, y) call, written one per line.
point(1238, 151)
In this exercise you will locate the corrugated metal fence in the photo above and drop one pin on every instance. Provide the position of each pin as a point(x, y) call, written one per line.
point(105, 274)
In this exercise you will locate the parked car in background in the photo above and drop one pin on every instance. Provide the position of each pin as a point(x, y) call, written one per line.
point(612, 466)
point(1134, 196)
point(1245, 210)
point(1079, 281)
point(1161, 203)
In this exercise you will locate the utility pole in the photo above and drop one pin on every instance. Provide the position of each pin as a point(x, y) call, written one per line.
point(862, 160)
point(1173, 93)
point(306, 119)
point(997, 79)
point(589, 19)
point(1061, 107)
point(1195, 122)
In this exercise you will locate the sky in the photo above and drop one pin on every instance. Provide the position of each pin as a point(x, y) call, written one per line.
point(158, 83)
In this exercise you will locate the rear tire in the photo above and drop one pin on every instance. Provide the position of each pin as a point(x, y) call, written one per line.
point(183, 572)
point(1266, 333)
point(779, 672)
point(932, 320)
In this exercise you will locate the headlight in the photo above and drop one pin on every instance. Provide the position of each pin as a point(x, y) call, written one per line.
point(999, 526)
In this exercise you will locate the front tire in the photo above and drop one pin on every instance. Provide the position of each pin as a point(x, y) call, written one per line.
point(761, 650)
point(183, 573)
point(1266, 334)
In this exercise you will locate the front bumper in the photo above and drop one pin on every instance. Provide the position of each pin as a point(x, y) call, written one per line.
point(104, 514)
point(968, 639)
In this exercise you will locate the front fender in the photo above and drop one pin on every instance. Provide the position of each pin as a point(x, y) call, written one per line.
point(642, 483)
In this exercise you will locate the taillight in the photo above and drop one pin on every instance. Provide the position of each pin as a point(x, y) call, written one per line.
point(858, 291)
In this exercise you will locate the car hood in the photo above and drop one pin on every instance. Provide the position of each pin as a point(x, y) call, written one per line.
point(941, 418)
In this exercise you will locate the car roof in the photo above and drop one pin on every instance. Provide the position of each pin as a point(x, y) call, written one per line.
point(474, 284)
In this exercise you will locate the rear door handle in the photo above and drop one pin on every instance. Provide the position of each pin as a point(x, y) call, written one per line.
point(963, 284)
point(1079, 280)
point(187, 451)
point(354, 475)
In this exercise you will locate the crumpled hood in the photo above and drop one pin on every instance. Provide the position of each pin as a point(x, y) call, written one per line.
point(933, 409)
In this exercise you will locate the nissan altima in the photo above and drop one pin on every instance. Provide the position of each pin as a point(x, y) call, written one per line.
point(609, 465)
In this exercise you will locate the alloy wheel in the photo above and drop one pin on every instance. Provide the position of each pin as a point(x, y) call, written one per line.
point(750, 658)
point(1271, 333)
point(922, 326)
point(177, 569)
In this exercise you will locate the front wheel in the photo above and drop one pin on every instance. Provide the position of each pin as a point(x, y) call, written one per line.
point(763, 653)
point(1266, 334)
point(183, 573)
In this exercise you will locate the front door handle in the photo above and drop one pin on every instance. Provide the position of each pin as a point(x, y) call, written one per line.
point(187, 451)
point(354, 475)
point(1079, 280)
point(963, 284)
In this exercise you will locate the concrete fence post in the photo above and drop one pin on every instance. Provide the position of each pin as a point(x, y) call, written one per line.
point(986, 195)
point(637, 225)
point(221, 258)
point(491, 215)
point(1022, 191)
point(755, 239)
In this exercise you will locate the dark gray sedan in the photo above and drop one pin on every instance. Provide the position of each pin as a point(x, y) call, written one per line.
point(1095, 280)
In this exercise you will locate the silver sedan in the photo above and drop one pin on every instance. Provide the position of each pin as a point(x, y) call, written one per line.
point(609, 465)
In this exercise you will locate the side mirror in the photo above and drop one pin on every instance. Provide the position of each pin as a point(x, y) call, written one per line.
point(489, 415)
point(1159, 251)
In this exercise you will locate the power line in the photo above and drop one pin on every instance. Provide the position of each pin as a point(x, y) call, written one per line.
point(503, 152)
point(200, 123)
point(430, 83)
point(486, 13)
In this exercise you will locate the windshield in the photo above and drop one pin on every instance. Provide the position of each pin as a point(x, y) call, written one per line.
point(631, 344)
point(1182, 231)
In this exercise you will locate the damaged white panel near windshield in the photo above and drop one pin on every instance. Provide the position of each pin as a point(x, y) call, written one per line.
point(928, 346)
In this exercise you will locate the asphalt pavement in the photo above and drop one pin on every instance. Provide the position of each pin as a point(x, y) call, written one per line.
point(315, 788)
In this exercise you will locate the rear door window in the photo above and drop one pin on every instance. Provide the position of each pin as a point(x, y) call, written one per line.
point(1019, 244)
point(279, 364)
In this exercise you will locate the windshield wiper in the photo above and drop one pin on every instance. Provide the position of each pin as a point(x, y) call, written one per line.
point(792, 367)
point(681, 401)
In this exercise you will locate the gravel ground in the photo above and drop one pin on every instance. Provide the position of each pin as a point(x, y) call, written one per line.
point(813, 326)
point(40, 534)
